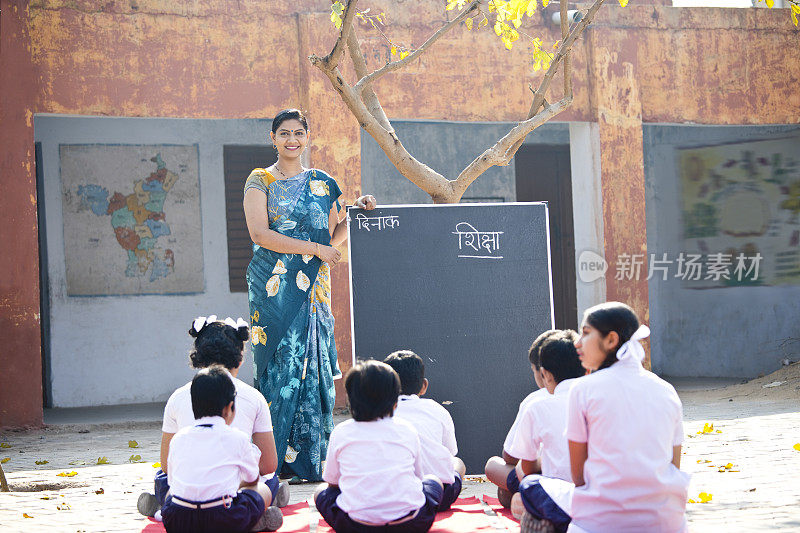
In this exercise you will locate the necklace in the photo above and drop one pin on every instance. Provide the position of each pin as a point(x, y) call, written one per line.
point(284, 175)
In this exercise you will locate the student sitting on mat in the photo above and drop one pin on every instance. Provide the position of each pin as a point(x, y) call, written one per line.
point(539, 442)
point(213, 468)
point(500, 470)
point(625, 430)
point(373, 470)
point(433, 422)
point(218, 342)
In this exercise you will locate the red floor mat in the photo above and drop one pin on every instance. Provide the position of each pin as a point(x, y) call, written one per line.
point(503, 515)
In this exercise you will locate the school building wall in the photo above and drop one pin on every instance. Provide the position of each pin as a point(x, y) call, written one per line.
point(727, 331)
point(247, 59)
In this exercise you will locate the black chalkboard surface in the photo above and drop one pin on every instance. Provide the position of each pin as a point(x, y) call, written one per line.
point(468, 288)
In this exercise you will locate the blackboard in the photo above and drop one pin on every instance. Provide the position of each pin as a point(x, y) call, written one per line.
point(468, 288)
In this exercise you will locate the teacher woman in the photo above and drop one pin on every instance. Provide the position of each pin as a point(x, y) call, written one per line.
point(292, 215)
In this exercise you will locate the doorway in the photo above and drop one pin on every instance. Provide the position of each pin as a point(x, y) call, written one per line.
point(543, 174)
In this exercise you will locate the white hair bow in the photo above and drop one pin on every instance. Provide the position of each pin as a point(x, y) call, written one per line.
point(239, 323)
point(201, 322)
point(632, 349)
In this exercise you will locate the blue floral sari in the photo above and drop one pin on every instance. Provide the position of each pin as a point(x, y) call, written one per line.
point(292, 323)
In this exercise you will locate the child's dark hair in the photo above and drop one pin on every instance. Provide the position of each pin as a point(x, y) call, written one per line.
point(372, 389)
point(558, 356)
point(212, 389)
point(218, 343)
point(612, 316)
point(289, 114)
point(409, 368)
point(533, 351)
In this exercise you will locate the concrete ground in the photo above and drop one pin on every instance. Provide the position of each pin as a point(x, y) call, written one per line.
point(752, 436)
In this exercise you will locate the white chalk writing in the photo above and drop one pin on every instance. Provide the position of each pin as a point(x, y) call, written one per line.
point(479, 241)
point(379, 223)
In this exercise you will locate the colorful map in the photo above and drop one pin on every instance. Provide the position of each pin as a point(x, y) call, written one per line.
point(138, 219)
point(139, 208)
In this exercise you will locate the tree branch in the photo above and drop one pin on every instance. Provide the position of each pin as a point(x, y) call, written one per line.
point(332, 59)
point(394, 65)
point(568, 58)
point(561, 54)
point(499, 153)
point(368, 96)
point(424, 177)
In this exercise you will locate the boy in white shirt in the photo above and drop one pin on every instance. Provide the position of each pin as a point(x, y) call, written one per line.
point(539, 442)
point(500, 470)
point(435, 425)
point(373, 470)
point(213, 473)
point(218, 342)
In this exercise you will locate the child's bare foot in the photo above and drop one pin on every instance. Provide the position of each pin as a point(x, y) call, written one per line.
point(505, 497)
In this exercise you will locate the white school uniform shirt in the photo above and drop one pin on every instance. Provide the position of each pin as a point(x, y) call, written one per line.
point(541, 433)
point(630, 420)
point(207, 463)
point(540, 393)
point(377, 466)
point(252, 411)
point(437, 434)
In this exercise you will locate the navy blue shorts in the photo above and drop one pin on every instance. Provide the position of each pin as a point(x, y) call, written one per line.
point(245, 510)
point(450, 494)
point(162, 486)
point(512, 481)
point(342, 523)
point(539, 504)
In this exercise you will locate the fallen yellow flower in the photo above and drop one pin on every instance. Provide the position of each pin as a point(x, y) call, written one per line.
point(707, 428)
point(156, 465)
point(41, 462)
point(797, 446)
point(705, 497)
point(26, 515)
point(67, 474)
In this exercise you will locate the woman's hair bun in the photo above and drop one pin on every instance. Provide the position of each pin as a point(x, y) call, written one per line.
point(193, 332)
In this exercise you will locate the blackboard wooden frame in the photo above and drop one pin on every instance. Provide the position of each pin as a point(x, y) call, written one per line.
point(470, 303)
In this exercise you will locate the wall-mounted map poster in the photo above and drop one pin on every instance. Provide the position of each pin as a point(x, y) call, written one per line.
point(741, 213)
point(131, 219)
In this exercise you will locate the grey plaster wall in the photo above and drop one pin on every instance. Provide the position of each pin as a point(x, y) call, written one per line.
point(725, 332)
point(131, 349)
point(447, 147)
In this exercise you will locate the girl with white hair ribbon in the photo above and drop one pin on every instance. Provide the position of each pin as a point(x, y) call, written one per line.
point(625, 431)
